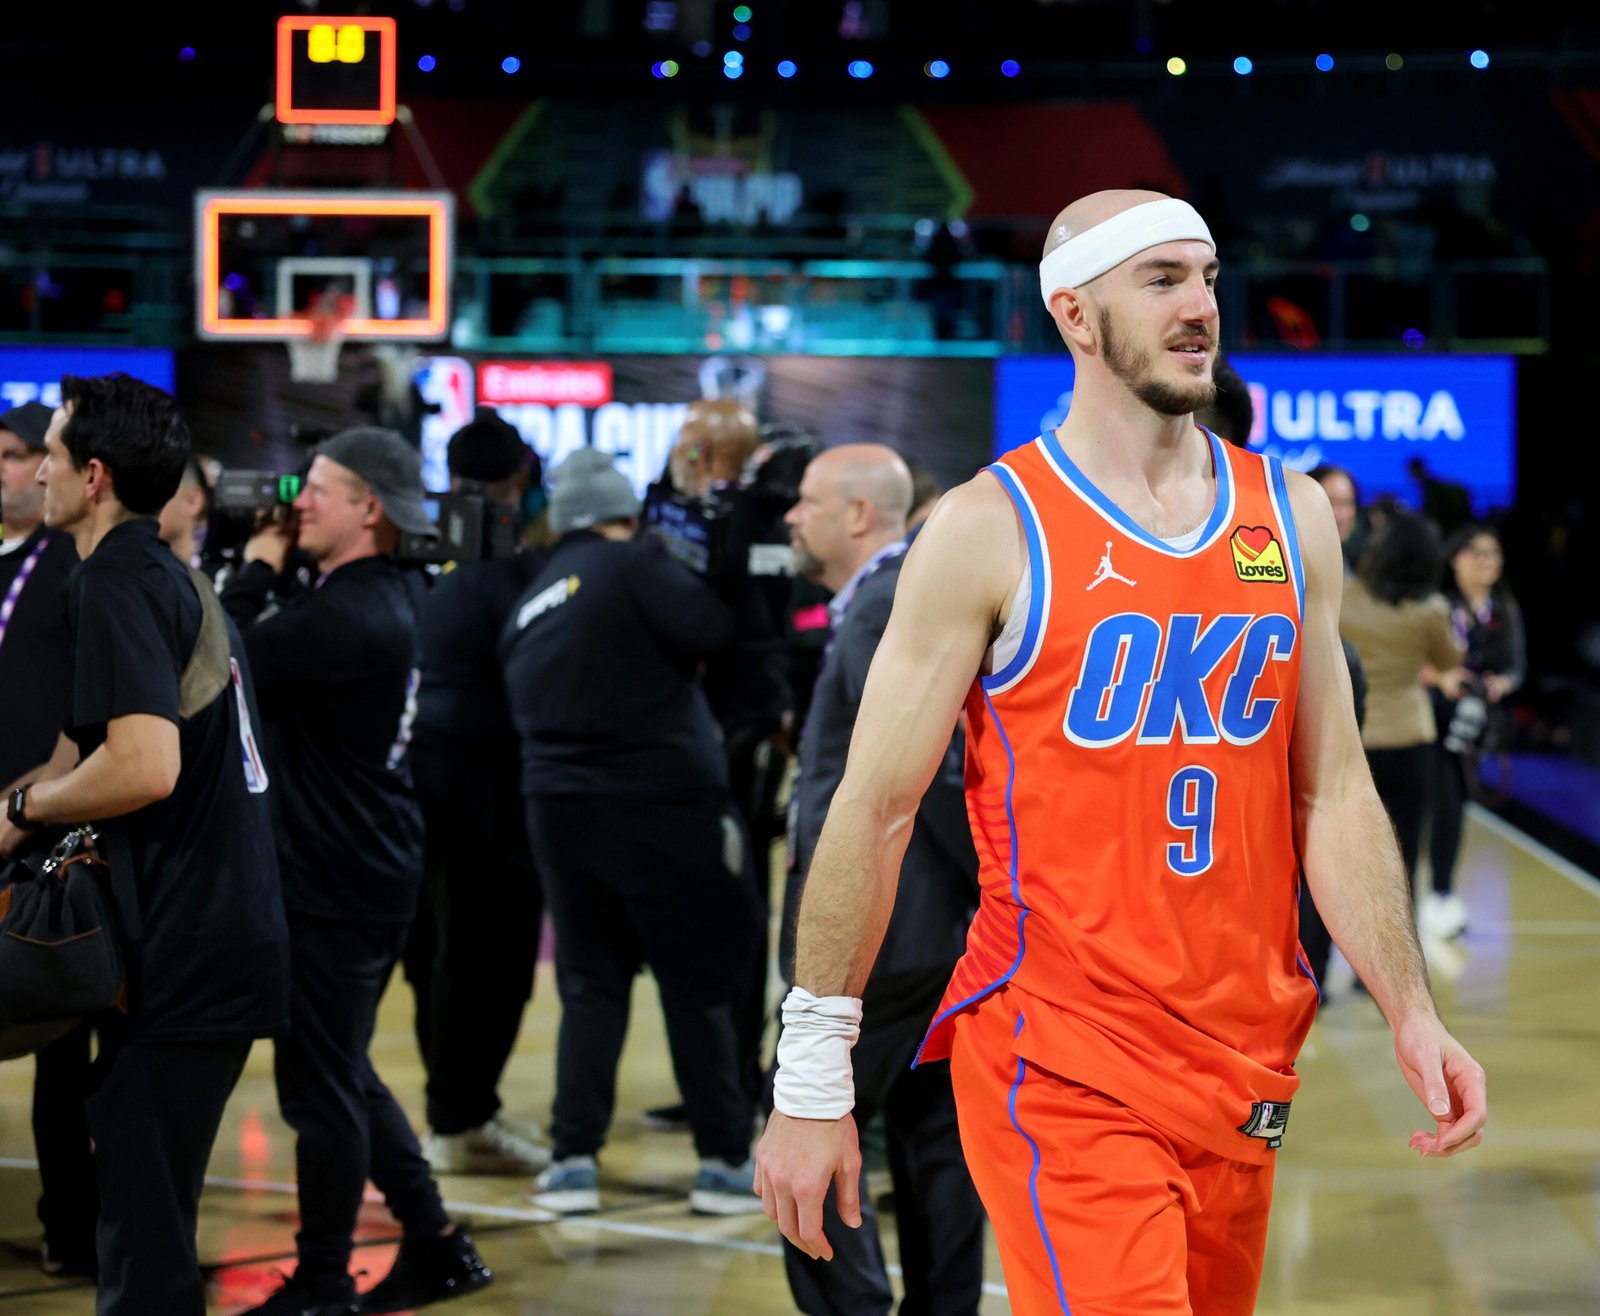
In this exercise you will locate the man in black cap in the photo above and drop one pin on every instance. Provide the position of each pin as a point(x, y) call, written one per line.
point(336, 670)
point(471, 951)
point(36, 685)
point(632, 828)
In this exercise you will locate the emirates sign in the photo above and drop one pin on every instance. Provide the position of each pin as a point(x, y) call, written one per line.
point(549, 383)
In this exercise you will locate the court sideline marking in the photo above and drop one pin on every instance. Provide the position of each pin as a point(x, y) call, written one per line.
point(1463, 1211)
point(1579, 877)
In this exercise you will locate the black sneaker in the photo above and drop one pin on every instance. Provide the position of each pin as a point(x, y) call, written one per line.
point(301, 1297)
point(67, 1262)
point(428, 1270)
point(673, 1119)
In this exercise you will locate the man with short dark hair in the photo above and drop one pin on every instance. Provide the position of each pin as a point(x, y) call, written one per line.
point(472, 948)
point(160, 755)
point(337, 671)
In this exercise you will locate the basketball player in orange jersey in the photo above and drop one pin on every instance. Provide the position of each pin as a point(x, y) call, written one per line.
point(1160, 740)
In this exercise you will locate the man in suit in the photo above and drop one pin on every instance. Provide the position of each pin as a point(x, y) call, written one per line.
point(849, 533)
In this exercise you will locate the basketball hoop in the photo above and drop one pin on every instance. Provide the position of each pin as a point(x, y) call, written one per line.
point(314, 359)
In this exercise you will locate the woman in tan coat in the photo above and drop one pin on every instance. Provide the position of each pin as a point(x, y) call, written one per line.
point(1399, 623)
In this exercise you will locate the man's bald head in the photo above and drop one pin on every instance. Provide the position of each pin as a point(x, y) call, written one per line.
point(853, 502)
point(870, 471)
point(714, 443)
point(1087, 211)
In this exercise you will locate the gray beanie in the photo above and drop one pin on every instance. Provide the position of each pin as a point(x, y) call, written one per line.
point(587, 489)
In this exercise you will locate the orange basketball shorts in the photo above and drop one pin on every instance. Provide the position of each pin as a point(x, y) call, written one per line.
point(1098, 1211)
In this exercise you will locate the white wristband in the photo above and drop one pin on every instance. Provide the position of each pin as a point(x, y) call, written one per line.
point(814, 1079)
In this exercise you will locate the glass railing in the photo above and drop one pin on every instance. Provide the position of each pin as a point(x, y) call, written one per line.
point(975, 308)
point(584, 304)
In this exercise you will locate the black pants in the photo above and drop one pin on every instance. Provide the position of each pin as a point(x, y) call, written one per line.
point(69, 1203)
point(644, 882)
point(1449, 803)
point(939, 1217)
point(472, 948)
point(1404, 779)
point(347, 1125)
point(153, 1112)
point(756, 768)
point(1315, 939)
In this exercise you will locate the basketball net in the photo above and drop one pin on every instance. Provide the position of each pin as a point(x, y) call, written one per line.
point(314, 359)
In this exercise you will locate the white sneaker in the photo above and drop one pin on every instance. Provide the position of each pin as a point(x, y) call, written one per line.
point(1442, 916)
point(498, 1147)
point(569, 1187)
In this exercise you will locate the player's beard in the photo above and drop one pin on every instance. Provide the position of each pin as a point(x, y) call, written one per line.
point(1134, 369)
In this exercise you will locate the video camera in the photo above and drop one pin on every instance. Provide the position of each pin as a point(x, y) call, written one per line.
point(471, 529)
point(692, 528)
point(737, 529)
point(238, 501)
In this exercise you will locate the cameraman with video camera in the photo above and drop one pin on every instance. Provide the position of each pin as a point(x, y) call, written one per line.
point(471, 951)
point(336, 670)
point(726, 528)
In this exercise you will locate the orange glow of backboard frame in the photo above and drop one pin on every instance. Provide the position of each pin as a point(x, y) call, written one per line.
point(384, 28)
point(437, 208)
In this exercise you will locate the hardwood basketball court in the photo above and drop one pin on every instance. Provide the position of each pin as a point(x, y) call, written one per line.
point(1360, 1226)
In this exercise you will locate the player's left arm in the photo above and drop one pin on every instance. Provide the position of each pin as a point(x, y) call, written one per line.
point(1348, 850)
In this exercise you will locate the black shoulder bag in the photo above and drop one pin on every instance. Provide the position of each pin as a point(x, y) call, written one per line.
point(67, 917)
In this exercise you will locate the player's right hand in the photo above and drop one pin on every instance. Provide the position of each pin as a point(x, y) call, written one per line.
point(797, 1162)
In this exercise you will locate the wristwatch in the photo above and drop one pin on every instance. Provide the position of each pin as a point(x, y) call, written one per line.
point(16, 806)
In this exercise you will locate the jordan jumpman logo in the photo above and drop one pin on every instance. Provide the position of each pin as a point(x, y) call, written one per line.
point(1107, 571)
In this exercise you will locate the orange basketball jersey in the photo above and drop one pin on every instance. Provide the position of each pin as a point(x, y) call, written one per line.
point(1129, 794)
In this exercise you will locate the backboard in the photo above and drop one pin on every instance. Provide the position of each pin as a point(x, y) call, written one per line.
point(266, 259)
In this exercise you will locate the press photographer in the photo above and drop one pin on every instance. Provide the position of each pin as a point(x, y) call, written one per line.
point(336, 668)
point(719, 508)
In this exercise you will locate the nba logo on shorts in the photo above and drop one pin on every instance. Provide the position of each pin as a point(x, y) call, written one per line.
point(1268, 1120)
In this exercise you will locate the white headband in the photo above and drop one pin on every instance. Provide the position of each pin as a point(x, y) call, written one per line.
point(1089, 254)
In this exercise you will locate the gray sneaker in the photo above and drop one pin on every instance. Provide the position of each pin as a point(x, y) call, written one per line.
point(569, 1187)
point(497, 1147)
point(724, 1189)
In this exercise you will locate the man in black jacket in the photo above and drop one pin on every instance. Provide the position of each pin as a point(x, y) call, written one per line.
point(159, 753)
point(337, 672)
point(849, 533)
point(632, 830)
point(471, 951)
